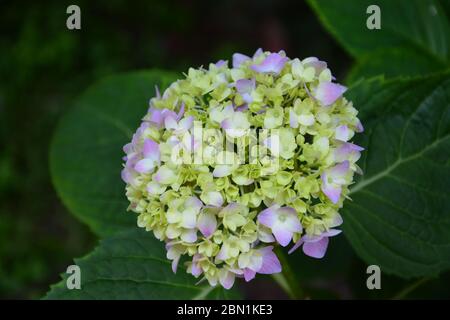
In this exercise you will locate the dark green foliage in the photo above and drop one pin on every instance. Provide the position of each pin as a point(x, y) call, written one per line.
point(133, 265)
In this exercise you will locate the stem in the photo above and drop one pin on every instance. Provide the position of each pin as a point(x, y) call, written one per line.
point(410, 288)
point(287, 278)
point(283, 283)
point(241, 188)
point(204, 293)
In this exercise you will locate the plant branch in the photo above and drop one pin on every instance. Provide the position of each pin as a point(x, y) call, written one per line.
point(287, 279)
point(410, 288)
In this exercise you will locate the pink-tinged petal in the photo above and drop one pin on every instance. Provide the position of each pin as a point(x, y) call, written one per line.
point(293, 119)
point(311, 238)
point(340, 170)
point(226, 124)
point(316, 249)
point(337, 221)
point(168, 113)
point(354, 147)
point(175, 264)
point(257, 53)
point(273, 63)
point(347, 149)
point(186, 123)
point(266, 237)
point(215, 198)
point(327, 92)
point(164, 176)
point(195, 268)
point(156, 116)
point(155, 188)
point(331, 233)
point(221, 63)
point(342, 133)
point(296, 246)
point(126, 175)
point(189, 235)
point(245, 85)
point(318, 65)
point(139, 132)
point(222, 254)
point(174, 255)
point(282, 235)
point(233, 207)
point(270, 264)
point(236, 271)
point(228, 110)
point(268, 217)
point(181, 112)
point(249, 274)
point(150, 149)
point(332, 192)
point(244, 107)
point(247, 97)
point(359, 127)
point(144, 166)
point(222, 170)
point(193, 202)
point(173, 141)
point(170, 122)
point(188, 142)
point(207, 224)
point(291, 221)
point(255, 263)
point(227, 279)
point(128, 148)
point(238, 59)
point(189, 219)
point(132, 159)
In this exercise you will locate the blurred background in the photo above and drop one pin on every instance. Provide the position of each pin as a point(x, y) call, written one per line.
point(43, 66)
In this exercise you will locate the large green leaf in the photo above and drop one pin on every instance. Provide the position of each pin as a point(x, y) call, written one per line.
point(391, 63)
point(414, 37)
point(400, 214)
point(86, 152)
point(132, 265)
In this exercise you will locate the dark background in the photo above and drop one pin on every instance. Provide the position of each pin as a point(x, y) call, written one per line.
point(43, 66)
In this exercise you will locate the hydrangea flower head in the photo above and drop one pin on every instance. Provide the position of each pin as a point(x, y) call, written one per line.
point(231, 162)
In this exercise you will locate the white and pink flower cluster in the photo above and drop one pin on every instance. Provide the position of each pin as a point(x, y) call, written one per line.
point(223, 220)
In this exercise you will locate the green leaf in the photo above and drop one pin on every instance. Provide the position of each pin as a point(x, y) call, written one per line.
point(391, 63)
point(414, 37)
point(86, 151)
point(400, 214)
point(132, 265)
